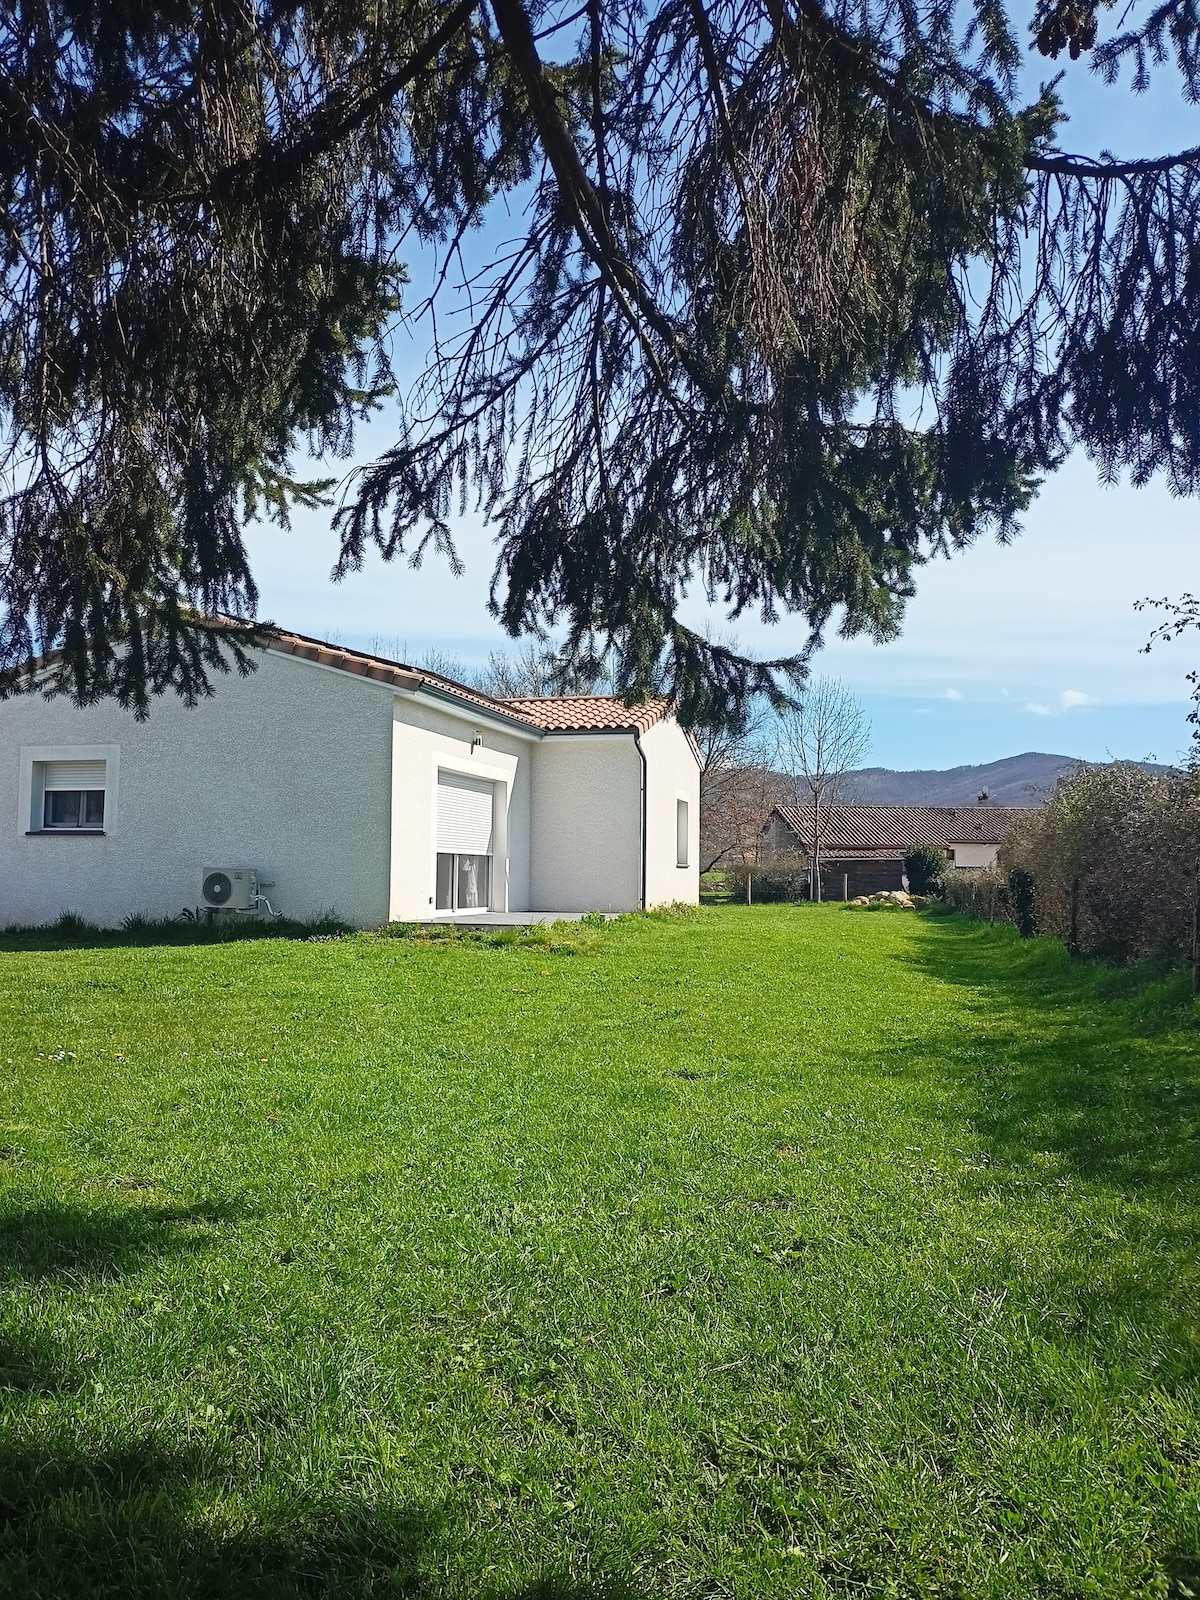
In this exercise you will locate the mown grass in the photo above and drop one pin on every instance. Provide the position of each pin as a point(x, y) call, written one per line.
point(772, 1251)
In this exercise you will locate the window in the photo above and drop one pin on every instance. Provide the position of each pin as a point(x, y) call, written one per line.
point(681, 833)
point(464, 882)
point(464, 842)
point(72, 795)
point(68, 789)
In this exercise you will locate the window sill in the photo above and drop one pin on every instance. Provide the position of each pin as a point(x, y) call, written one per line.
point(64, 833)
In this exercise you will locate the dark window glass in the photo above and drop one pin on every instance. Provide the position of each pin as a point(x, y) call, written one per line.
point(444, 896)
point(62, 808)
point(73, 808)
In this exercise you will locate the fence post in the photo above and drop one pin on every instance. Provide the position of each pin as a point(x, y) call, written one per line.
point(845, 886)
point(1073, 931)
point(1196, 925)
point(749, 880)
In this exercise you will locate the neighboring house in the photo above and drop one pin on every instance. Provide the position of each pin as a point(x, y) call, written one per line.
point(345, 783)
point(863, 847)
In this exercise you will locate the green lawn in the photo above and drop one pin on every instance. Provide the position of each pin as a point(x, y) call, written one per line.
point(775, 1251)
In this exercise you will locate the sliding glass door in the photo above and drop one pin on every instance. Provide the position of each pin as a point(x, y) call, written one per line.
point(464, 843)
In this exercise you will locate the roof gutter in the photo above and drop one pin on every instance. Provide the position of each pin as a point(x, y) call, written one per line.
point(637, 742)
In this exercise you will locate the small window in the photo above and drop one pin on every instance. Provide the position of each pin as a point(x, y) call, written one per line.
point(73, 795)
point(681, 833)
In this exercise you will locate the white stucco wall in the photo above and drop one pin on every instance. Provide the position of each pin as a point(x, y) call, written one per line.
point(975, 855)
point(425, 738)
point(325, 784)
point(287, 771)
point(672, 774)
point(586, 823)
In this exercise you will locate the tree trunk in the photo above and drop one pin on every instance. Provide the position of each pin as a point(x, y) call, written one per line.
point(816, 861)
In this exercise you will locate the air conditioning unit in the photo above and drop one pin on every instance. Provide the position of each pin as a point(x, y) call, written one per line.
point(229, 888)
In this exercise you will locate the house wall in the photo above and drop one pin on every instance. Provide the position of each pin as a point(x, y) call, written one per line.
point(779, 838)
point(586, 823)
point(424, 739)
point(864, 876)
point(286, 771)
point(672, 773)
point(975, 855)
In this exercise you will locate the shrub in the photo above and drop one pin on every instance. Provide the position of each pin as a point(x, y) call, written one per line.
point(1111, 858)
point(1022, 897)
point(978, 892)
point(782, 876)
point(925, 868)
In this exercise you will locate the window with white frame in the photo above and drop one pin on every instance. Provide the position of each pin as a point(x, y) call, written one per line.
point(72, 796)
point(681, 833)
point(68, 789)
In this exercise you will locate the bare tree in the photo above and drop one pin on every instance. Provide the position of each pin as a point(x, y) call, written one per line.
point(738, 789)
point(819, 741)
point(445, 664)
point(533, 670)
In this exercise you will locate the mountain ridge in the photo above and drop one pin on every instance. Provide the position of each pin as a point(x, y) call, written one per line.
point(1024, 780)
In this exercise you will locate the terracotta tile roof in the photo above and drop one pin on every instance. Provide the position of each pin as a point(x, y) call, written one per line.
point(551, 714)
point(397, 673)
point(880, 829)
point(589, 713)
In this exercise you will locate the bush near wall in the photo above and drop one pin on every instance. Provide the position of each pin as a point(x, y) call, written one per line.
point(1112, 857)
point(978, 892)
point(782, 877)
point(925, 868)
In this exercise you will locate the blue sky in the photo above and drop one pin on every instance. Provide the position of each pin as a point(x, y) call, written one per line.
point(1033, 646)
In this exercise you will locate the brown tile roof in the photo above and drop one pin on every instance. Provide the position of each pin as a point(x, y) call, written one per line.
point(592, 713)
point(379, 668)
point(589, 713)
point(898, 828)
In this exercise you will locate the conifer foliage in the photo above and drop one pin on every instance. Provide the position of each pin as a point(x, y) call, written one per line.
point(780, 297)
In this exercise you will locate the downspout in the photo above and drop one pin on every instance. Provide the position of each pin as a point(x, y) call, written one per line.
point(637, 743)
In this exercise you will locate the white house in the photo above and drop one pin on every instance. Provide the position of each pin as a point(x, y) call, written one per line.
point(344, 782)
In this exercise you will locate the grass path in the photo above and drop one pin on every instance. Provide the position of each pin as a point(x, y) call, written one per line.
point(776, 1252)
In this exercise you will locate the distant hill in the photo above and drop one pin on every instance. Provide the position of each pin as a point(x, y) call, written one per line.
point(1015, 781)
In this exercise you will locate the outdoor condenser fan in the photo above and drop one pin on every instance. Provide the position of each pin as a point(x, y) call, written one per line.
point(218, 888)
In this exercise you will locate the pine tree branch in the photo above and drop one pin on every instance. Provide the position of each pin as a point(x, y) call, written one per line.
point(1069, 166)
point(335, 121)
point(592, 228)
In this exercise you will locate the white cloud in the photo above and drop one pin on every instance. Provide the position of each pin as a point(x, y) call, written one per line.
point(1068, 700)
point(922, 711)
point(951, 694)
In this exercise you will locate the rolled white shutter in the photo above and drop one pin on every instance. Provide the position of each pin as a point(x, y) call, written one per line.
point(73, 775)
point(464, 815)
